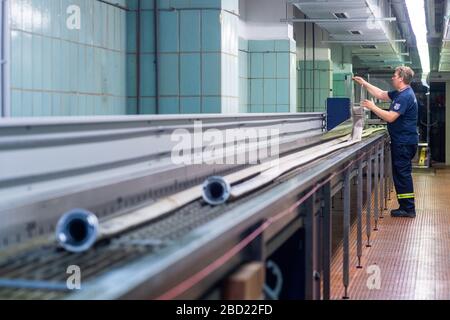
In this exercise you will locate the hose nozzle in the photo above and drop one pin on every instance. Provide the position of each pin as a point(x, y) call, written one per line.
point(77, 230)
point(216, 190)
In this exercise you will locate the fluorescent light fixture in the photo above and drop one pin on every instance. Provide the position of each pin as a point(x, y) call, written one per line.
point(416, 11)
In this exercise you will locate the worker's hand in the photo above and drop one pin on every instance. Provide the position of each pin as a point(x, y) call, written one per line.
point(368, 104)
point(359, 81)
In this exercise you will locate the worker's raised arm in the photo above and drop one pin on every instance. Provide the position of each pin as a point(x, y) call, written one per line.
point(373, 90)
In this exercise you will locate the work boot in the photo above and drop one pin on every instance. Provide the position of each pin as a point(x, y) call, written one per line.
point(394, 211)
point(401, 213)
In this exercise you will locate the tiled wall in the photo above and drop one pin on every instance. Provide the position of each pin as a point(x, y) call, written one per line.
point(314, 85)
point(57, 71)
point(342, 85)
point(93, 71)
point(244, 84)
point(342, 71)
point(267, 76)
point(197, 60)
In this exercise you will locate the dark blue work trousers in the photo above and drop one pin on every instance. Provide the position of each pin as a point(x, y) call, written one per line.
point(402, 154)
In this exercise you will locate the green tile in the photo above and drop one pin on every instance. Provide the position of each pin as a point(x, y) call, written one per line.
point(315, 74)
point(256, 65)
point(211, 30)
point(256, 91)
point(243, 64)
point(211, 105)
point(261, 45)
point(270, 91)
point(270, 65)
point(211, 73)
point(169, 105)
point(256, 108)
point(308, 78)
point(168, 74)
point(309, 99)
point(190, 30)
point(148, 106)
point(270, 108)
point(283, 91)
point(301, 79)
point(283, 62)
point(179, 4)
point(190, 105)
point(338, 88)
point(283, 108)
point(206, 3)
point(282, 45)
point(168, 24)
point(323, 65)
point(324, 79)
point(243, 91)
point(131, 106)
point(147, 33)
point(190, 74)
point(339, 76)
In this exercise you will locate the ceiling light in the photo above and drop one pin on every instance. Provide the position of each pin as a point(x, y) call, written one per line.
point(416, 11)
point(340, 15)
point(368, 46)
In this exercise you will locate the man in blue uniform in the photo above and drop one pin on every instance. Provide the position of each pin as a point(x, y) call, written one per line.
point(402, 126)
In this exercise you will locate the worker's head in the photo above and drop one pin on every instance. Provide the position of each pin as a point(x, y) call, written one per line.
point(402, 76)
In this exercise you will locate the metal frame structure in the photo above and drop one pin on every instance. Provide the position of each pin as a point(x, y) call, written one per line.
point(192, 264)
point(156, 276)
point(50, 166)
point(5, 110)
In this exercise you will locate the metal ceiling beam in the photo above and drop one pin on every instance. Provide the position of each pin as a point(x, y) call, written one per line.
point(294, 20)
point(328, 3)
point(382, 54)
point(363, 41)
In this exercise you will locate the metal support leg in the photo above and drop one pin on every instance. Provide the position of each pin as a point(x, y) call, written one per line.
point(369, 198)
point(382, 181)
point(327, 240)
point(390, 172)
point(376, 189)
point(346, 240)
point(312, 278)
point(359, 209)
point(386, 176)
point(256, 250)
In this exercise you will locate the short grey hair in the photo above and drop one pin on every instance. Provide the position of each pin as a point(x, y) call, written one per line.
point(406, 73)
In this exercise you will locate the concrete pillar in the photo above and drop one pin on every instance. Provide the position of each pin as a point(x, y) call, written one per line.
point(314, 69)
point(268, 60)
point(342, 70)
point(197, 57)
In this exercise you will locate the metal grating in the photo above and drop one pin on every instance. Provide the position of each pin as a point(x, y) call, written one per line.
point(47, 263)
point(50, 264)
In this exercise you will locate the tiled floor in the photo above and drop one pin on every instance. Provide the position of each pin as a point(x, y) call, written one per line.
point(411, 256)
